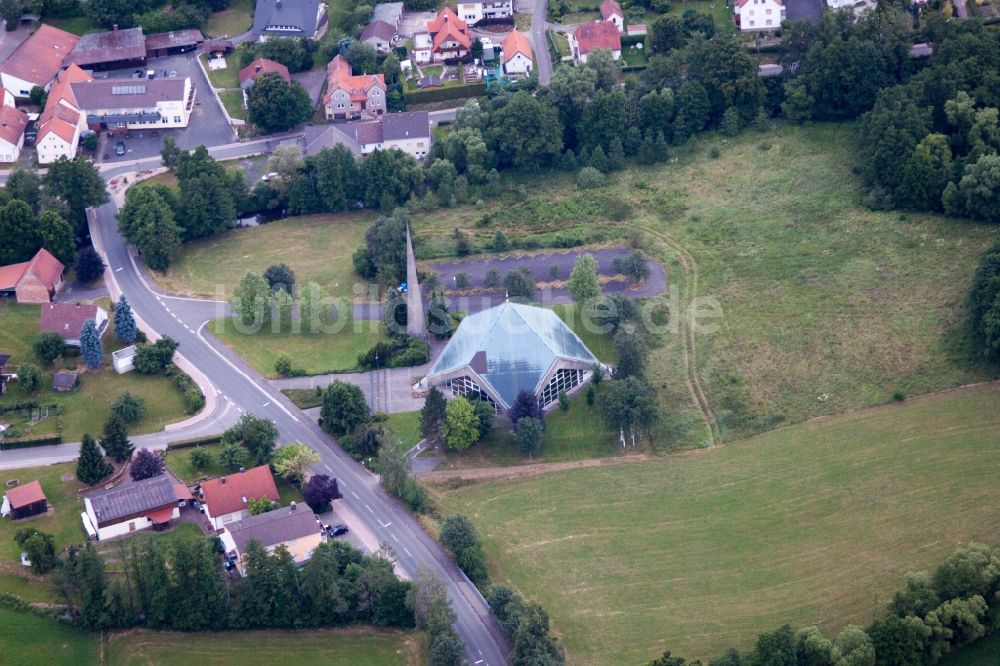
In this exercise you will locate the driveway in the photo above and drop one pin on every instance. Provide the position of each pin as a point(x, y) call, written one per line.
point(414, 22)
point(207, 125)
point(11, 40)
point(804, 10)
point(312, 81)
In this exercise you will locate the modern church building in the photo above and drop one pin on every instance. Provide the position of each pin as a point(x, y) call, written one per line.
point(496, 353)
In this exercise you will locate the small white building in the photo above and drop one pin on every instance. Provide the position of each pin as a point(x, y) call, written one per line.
point(612, 12)
point(474, 12)
point(124, 359)
point(227, 499)
point(758, 15)
point(517, 55)
point(136, 104)
point(141, 505)
point(422, 45)
point(12, 125)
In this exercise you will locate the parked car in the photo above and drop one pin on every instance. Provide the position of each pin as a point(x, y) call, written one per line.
point(268, 177)
point(338, 530)
point(120, 148)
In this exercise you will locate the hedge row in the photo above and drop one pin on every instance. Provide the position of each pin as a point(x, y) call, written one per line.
point(28, 442)
point(207, 440)
point(27, 404)
point(442, 94)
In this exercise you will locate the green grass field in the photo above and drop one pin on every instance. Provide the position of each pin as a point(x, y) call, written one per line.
point(223, 78)
point(313, 353)
point(811, 524)
point(344, 647)
point(87, 408)
point(406, 425)
point(233, 101)
point(234, 20)
point(318, 248)
point(62, 522)
point(29, 640)
point(179, 462)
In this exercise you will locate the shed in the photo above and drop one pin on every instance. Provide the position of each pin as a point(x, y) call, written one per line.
point(64, 381)
point(170, 43)
point(123, 359)
point(110, 50)
point(24, 501)
point(429, 82)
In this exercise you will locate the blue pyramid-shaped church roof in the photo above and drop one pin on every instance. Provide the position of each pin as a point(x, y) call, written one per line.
point(511, 346)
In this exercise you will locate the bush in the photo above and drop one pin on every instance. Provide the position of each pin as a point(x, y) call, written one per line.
point(129, 408)
point(48, 347)
point(200, 458)
point(283, 366)
point(29, 376)
point(461, 281)
point(88, 266)
point(153, 359)
point(399, 351)
point(492, 280)
point(320, 491)
point(145, 465)
point(563, 401)
point(588, 178)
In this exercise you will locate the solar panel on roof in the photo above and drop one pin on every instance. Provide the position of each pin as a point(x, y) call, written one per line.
point(128, 90)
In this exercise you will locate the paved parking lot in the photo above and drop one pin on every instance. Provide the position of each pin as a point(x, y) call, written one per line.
point(207, 125)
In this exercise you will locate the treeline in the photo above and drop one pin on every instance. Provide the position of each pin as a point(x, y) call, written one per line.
point(926, 620)
point(48, 211)
point(931, 143)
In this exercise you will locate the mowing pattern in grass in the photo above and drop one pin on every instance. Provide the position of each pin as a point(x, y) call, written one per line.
point(87, 408)
point(315, 353)
point(812, 524)
point(29, 640)
point(346, 647)
point(318, 248)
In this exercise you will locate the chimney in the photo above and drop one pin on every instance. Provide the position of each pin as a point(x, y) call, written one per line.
point(291, 506)
point(114, 27)
point(222, 480)
point(258, 69)
point(243, 469)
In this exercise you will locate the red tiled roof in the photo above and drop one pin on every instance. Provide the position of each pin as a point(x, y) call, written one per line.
point(160, 516)
point(263, 66)
point(12, 124)
point(610, 8)
point(45, 268)
point(340, 76)
point(226, 495)
point(449, 29)
point(11, 274)
point(182, 492)
point(602, 35)
point(446, 15)
point(40, 57)
point(515, 43)
point(66, 319)
point(24, 495)
point(57, 117)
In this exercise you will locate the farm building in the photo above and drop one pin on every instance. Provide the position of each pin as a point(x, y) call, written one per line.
point(37, 60)
point(498, 352)
point(171, 43)
point(24, 501)
point(141, 505)
point(110, 50)
point(34, 281)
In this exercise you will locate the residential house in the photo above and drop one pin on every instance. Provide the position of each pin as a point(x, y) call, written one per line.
point(259, 67)
point(24, 501)
point(611, 12)
point(37, 60)
point(590, 36)
point(349, 96)
point(34, 281)
point(227, 499)
point(758, 15)
point(67, 319)
point(171, 43)
point(140, 505)
point(288, 18)
point(409, 131)
point(379, 35)
point(143, 104)
point(485, 10)
point(62, 120)
point(390, 12)
point(114, 49)
point(447, 38)
point(12, 125)
point(295, 527)
point(517, 54)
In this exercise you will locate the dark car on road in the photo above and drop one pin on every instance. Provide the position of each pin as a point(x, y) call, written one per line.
point(120, 148)
point(337, 530)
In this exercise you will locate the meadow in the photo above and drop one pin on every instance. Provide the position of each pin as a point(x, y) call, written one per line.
point(811, 524)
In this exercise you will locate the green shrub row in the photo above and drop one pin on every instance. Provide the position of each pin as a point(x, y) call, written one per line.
point(443, 94)
point(28, 442)
point(194, 441)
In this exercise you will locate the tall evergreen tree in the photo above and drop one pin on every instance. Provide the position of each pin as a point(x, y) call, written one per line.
point(125, 328)
point(432, 417)
point(90, 344)
point(91, 467)
point(198, 598)
point(115, 440)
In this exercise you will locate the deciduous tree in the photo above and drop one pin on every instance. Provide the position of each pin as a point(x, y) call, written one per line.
point(88, 266)
point(583, 283)
point(344, 408)
point(461, 425)
point(277, 106)
point(145, 465)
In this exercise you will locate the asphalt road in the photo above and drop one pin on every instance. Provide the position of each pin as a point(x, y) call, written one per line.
point(241, 387)
point(543, 59)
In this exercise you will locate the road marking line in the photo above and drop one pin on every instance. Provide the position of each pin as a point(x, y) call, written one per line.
point(355, 495)
point(393, 537)
point(119, 269)
point(383, 524)
point(369, 508)
point(328, 468)
point(407, 551)
point(243, 374)
point(266, 403)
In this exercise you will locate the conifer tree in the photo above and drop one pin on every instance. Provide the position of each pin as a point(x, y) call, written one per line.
point(91, 467)
point(125, 328)
point(90, 344)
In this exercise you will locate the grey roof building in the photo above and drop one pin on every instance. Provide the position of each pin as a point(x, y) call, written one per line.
point(133, 499)
point(390, 12)
point(498, 352)
point(115, 48)
point(288, 18)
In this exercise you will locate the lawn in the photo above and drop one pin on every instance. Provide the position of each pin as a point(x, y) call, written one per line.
point(235, 20)
point(343, 647)
point(722, 14)
point(983, 652)
point(318, 248)
point(406, 425)
point(29, 640)
point(233, 101)
point(87, 408)
point(304, 398)
point(601, 344)
point(312, 353)
point(811, 524)
point(179, 462)
point(62, 522)
point(224, 78)
point(576, 434)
